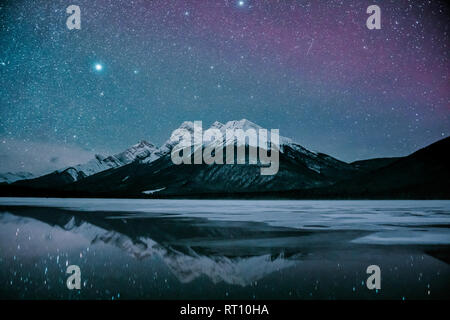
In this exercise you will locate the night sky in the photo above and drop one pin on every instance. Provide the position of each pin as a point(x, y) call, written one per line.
point(138, 69)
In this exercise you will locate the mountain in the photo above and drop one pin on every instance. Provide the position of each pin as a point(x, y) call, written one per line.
point(299, 168)
point(147, 171)
point(373, 164)
point(143, 151)
point(10, 177)
point(423, 174)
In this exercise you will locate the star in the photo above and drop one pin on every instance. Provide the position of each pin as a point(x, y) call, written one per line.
point(98, 67)
point(264, 56)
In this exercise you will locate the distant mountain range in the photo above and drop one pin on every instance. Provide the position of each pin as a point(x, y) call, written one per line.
point(143, 152)
point(145, 170)
point(10, 177)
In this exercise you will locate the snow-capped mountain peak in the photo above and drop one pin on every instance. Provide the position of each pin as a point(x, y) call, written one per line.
point(232, 125)
point(217, 125)
point(242, 124)
point(146, 152)
point(187, 125)
point(143, 151)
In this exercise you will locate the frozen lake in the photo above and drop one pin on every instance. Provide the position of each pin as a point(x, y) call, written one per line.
point(199, 249)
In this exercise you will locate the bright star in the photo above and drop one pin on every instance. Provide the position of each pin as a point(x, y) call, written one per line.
point(98, 67)
point(241, 3)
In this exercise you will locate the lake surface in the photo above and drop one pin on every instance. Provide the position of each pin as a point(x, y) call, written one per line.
point(223, 249)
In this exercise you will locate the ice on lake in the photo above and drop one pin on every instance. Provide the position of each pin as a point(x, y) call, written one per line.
point(223, 248)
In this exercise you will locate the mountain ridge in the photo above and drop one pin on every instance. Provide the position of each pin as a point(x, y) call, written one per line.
point(145, 170)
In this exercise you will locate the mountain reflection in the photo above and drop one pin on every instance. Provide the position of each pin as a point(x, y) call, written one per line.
point(237, 253)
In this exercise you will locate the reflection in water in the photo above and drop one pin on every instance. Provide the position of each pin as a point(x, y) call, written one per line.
point(190, 248)
point(189, 266)
point(290, 262)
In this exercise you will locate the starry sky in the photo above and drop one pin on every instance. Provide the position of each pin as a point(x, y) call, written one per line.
point(137, 69)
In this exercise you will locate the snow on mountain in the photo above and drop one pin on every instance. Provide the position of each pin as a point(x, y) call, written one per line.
point(143, 151)
point(233, 125)
point(298, 169)
point(10, 177)
point(292, 149)
point(295, 160)
point(174, 138)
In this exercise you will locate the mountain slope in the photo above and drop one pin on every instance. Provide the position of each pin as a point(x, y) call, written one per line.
point(299, 168)
point(147, 171)
point(424, 173)
point(143, 151)
point(373, 164)
point(10, 177)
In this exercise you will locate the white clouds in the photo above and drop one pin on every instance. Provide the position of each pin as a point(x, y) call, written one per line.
point(39, 157)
